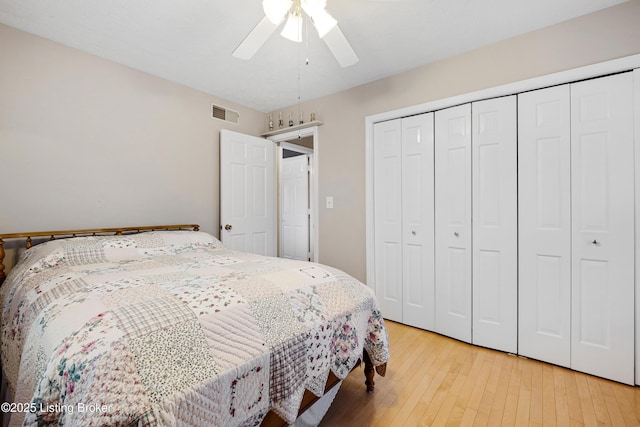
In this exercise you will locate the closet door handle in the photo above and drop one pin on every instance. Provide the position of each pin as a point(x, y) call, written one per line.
point(455, 233)
point(595, 242)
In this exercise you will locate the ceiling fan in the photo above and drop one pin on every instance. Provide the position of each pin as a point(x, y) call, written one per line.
point(275, 13)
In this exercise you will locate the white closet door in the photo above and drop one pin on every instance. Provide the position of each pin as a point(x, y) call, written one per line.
point(417, 221)
point(495, 241)
point(453, 221)
point(544, 211)
point(387, 183)
point(602, 172)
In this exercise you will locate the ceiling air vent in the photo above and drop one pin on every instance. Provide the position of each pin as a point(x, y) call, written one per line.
point(223, 113)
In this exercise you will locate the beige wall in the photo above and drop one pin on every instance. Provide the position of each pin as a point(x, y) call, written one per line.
point(605, 35)
point(85, 142)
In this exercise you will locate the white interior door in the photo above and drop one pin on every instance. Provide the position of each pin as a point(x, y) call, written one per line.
point(602, 173)
point(294, 207)
point(495, 224)
point(248, 193)
point(544, 188)
point(387, 183)
point(453, 221)
point(418, 221)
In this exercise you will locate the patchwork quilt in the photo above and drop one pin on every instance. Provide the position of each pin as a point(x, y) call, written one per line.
point(173, 328)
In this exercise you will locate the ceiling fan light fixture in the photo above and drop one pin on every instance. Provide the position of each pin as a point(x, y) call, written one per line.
point(276, 10)
point(296, 11)
point(293, 28)
point(323, 22)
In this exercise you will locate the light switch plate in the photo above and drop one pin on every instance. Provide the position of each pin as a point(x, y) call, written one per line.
point(329, 202)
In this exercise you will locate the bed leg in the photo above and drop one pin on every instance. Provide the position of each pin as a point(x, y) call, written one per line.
point(369, 372)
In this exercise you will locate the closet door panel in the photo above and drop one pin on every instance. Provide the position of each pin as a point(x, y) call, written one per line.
point(453, 221)
point(418, 221)
point(603, 227)
point(388, 218)
point(495, 260)
point(544, 211)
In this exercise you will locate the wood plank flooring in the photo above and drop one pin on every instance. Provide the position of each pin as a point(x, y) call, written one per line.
point(437, 381)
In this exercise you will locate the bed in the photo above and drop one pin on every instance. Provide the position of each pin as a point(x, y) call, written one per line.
point(166, 326)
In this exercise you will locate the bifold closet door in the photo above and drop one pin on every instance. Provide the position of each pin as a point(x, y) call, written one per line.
point(403, 219)
point(417, 221)
point(576, 207)
point(602, 172)
point(495, 224)
point(453, 221)
point(387, 181)
point(544, 188)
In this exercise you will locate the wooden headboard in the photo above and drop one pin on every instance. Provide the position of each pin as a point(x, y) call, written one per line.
point(65, 234)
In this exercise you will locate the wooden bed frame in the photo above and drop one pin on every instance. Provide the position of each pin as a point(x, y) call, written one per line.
point(272, 419)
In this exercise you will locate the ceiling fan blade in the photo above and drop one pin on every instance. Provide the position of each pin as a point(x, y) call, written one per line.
point(255, 39)
point(340, 47)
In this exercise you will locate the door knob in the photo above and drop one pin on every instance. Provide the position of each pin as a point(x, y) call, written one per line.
point(595, 242)
point(228, 227)
point(455, 233)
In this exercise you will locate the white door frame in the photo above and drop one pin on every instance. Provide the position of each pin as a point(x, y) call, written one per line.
point(636, 84)
point(281, 141)
point(308, 153)
point(585, 72)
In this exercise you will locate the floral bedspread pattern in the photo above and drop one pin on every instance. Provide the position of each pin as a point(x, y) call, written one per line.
point(169, 328)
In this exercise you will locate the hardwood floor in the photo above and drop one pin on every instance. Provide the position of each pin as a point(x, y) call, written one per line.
point(437, 381)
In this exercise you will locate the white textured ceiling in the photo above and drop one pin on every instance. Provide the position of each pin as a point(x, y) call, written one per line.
point(191, 41)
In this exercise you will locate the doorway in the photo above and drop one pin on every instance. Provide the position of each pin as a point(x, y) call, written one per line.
point(298, 234)
point(295, 189)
